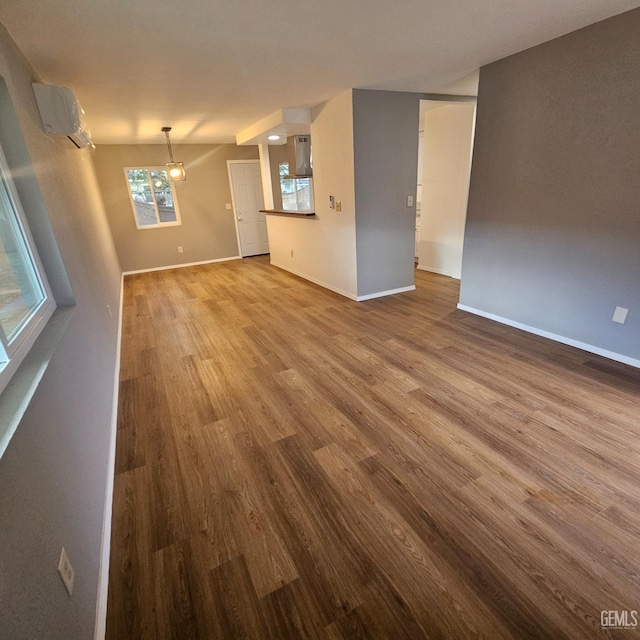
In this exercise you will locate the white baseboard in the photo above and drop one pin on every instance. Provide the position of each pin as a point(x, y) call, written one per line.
point(618, 357)
point(180, 266)
point(438, 271)
point(351, 296)
point(381, 294)
point(105, 548)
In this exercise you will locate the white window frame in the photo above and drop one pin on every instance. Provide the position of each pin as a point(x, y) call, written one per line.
point(311, 194)
point(158, 225)
point(12, 355)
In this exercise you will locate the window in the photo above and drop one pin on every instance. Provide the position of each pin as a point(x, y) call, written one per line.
point(153, 198)
point(297, 193)
point(26, 302)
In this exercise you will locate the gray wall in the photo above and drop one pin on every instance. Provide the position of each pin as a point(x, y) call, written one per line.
point(208, 229)
point(385, 142)
point(553, 225)
point(54, 471)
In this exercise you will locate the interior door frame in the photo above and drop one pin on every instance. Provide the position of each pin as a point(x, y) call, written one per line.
point(233, 197)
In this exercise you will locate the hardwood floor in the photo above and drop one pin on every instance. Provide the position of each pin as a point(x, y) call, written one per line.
point(291, 464)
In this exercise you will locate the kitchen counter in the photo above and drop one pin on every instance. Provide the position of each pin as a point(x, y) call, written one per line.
point(292, 214)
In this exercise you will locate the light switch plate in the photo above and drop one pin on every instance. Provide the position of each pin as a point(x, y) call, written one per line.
point(409, 201)
point(620, 315)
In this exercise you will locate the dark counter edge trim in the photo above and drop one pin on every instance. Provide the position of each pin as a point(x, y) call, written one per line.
point(290, 214)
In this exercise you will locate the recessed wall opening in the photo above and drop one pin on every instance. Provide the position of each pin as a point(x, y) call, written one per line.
point(444, 167)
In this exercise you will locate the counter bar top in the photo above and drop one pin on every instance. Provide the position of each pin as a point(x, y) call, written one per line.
point(293, 214)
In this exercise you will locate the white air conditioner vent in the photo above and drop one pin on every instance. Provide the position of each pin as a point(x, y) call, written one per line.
point(62, 114)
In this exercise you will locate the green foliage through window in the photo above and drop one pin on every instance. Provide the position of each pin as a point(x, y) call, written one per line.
point(297, 193)
point(152, 197)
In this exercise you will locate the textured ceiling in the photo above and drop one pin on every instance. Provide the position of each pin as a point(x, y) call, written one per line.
point(211, 69)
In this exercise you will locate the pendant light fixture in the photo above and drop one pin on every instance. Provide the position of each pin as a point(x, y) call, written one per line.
point(174, 169)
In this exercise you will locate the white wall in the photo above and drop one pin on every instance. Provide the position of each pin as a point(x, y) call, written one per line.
point(324, 248)
point(448, 138)
point(53, 474)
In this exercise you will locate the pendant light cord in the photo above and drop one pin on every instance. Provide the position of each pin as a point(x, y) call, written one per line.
point(166, 133)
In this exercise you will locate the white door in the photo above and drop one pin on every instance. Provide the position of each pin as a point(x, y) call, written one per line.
point(246, 185)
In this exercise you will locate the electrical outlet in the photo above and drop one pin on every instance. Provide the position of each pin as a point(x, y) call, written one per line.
point(409, 201)
point(292, 253)
point(179, 249)
point(66, 571)
point(227, 206)
point(620, 315)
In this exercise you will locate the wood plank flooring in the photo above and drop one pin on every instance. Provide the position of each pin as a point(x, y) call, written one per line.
point(291, 464)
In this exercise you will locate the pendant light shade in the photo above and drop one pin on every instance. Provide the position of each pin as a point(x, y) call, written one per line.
point(175, 170)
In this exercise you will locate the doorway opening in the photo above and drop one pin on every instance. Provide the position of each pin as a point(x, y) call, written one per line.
point(444, 169)
point(247, 199)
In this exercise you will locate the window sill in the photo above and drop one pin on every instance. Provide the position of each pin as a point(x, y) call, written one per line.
point(16, 397)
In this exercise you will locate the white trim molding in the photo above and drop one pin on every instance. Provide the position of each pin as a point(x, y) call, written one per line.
point(304, 276)
point(105, 546)
point(612, 355)
point(180, 266)
point(438, 271)
point(381, 294)
point(351, 296)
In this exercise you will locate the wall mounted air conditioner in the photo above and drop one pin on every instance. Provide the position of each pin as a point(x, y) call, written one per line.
point(62, 114)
